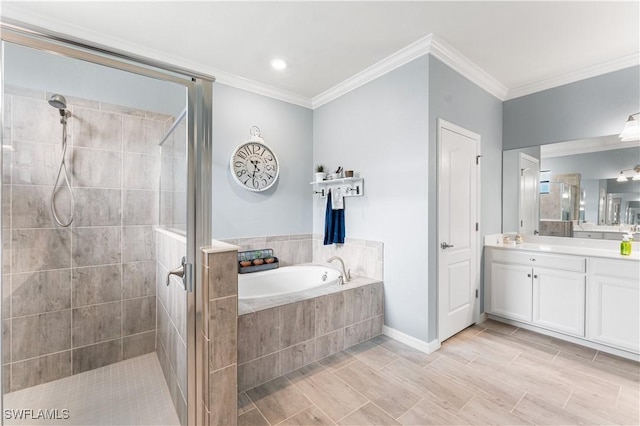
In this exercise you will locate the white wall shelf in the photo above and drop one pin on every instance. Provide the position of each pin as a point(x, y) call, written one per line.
point(349, 187)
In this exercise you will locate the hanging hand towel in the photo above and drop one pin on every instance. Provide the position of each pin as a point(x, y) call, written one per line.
point(333, 224)
point(337, 200)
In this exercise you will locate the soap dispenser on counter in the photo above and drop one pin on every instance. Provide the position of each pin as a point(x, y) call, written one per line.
point(625, 246)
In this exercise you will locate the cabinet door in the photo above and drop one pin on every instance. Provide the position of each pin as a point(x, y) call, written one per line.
point(559, 300)
point(511, 291)
point(614, 312)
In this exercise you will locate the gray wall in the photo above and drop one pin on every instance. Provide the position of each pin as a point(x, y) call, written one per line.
point(386, 131)
point(285, 208)
point(380, 131)
point(457, 100)
point(597, 106)
point(594, 165)
point(615, 187)
point(26, 67)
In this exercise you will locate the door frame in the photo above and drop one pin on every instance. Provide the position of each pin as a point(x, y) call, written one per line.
point(443, 124)
point(199, 163)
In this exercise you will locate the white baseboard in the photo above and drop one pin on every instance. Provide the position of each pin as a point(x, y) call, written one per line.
point(426, 347)
point(577, 340)
point(482, 318)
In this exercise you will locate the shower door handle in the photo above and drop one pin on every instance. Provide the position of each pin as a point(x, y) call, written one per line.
point(183, 271)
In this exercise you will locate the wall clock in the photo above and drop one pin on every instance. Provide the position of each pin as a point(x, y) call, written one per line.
point(253, 164)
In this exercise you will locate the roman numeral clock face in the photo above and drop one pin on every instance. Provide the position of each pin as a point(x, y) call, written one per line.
point(254, 166)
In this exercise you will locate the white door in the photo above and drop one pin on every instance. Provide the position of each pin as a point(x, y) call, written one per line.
point(458, 274)
point(529, 195)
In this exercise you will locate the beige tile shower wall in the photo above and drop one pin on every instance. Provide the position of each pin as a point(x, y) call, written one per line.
point(171, 308)
point(364, 258)
point(289, 249)
point(173, 177)
point(81, 297)
point(551, 203)
point(556, 228)
point(275, 341)
point(219, 334)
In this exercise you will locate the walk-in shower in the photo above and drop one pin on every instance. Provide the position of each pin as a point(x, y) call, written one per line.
point(85, 190)
point(59, 102)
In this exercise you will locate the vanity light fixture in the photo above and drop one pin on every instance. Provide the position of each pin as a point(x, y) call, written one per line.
point(278, 64)
point(631, 131)
point(636, 176)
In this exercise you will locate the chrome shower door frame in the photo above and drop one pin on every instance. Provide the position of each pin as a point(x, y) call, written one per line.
point(199, 163)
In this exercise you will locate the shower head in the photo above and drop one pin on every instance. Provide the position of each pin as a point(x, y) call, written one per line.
point(58, 101)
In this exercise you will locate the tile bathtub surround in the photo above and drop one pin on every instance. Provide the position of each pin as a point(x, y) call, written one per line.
point(297, 334)
point(289, 249)
point(220, 333)
point(364, 258)
point(81, 297)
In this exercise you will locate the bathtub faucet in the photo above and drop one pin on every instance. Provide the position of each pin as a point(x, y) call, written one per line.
point(345, 272)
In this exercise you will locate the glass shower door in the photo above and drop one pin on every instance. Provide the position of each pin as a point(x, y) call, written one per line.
point(87, 313)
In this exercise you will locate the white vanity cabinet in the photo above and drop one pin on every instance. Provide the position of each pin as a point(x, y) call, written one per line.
point(614, 303)
point(559, 300)
point(590, 298)
point(511, 294)
point(544, 290)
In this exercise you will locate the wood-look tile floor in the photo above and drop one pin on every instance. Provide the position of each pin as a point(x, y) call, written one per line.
point(490, 373)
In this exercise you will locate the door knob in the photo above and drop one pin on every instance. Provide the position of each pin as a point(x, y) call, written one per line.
point(445, 246)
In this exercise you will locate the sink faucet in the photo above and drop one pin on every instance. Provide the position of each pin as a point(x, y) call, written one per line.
point(346, 273)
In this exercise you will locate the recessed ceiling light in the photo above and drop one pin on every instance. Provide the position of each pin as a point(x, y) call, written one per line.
point(278, 64)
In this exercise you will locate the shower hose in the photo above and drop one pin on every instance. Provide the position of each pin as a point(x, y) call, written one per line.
point(62, 171)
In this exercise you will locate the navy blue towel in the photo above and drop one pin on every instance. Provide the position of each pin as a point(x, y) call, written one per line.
point(333, 224)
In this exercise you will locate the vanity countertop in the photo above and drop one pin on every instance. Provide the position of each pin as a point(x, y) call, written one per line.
point(571, 246)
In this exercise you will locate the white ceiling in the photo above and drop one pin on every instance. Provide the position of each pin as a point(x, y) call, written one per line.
point(524, 46)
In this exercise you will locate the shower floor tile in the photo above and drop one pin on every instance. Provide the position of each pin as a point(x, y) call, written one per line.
point(131, 392)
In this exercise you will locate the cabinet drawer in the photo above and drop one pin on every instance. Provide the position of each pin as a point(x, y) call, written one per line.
point(627, 269)
point(565, 263)
point(617, 236)
point(587, 234)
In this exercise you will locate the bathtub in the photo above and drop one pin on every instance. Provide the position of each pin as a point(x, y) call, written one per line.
point(285, 280)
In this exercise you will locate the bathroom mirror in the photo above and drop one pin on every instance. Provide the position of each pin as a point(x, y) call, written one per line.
point(577, 193)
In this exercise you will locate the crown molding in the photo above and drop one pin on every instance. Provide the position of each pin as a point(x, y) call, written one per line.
point(468, 69)
point(74, 32)
point(262, 89)
point(572, 77)
point(426, 45)
point(403, 56)
point(429, 44)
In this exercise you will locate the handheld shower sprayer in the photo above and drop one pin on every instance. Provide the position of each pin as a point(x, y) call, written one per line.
point(59, 102)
